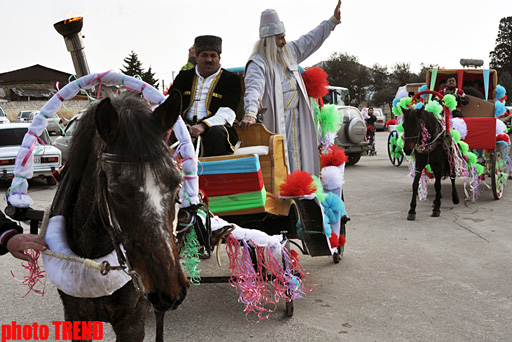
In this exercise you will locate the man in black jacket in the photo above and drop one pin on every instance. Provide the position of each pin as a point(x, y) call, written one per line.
point(210, 98)
point(14, 241)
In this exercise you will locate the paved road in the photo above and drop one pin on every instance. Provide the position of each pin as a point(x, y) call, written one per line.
point(433, 279)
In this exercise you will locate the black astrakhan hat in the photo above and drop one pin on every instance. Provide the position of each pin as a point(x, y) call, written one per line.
point(208, 43)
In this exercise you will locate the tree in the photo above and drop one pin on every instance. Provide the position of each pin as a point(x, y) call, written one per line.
point(501, 56)
point(149, 77)
point(383, 90)
point(133, 66)
point(345, 70)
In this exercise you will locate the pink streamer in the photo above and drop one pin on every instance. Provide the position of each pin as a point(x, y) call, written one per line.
point(36, 274)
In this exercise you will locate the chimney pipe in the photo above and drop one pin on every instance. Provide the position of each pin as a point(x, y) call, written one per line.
point(70, 30)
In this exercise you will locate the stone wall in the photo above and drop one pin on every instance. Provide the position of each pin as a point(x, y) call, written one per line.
point(12, 108)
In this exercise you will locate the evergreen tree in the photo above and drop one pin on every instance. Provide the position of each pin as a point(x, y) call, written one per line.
point(501, 57)
point(149, 77)
point(133, 65)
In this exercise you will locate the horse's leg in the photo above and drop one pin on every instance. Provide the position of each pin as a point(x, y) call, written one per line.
point(415, 185)
point(159, 315)
point(130, 328)
point(455, 196)
point(438, 173)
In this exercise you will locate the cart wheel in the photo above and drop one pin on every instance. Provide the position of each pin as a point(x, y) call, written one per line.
point(391, 150)
point(289, 308)
point(498, 175)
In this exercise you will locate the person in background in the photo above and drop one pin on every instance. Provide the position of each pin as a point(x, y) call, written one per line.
point(272, 78)
point(370, 128)
point(14, 241)
point(470, 88)
point(211, 96)
point(451, 88)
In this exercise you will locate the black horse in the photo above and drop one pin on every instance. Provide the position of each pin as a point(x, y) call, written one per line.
point(425, 138)
point(119, 187)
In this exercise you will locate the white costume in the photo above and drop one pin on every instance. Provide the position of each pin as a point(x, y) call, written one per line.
point(283, 93)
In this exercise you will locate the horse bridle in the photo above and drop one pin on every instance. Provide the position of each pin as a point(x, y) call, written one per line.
point(429, 147)
point(109, 218)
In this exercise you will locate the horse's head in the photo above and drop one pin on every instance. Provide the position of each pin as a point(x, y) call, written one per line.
point(137, 182)
point(411, 128)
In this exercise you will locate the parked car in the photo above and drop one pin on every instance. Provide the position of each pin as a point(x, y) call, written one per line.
point(11, 136)
point(380, 124)
point(352, 134)
point(62, 142)
point(3, 117)
point(53, 124)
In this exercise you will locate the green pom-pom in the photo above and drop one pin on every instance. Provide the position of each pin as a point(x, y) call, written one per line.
point(471, 158)
point(479, 169)
point(429, 169)
point(397, 111)
point(400, 128)
point(464, 147)
point(434, 107)
point(400, 142)
point(455, 135)
point(450, 101)
point(320, 194)
point(405, 102)
point(330, 119)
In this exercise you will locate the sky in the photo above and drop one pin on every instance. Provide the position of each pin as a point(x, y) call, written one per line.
point(160, 32)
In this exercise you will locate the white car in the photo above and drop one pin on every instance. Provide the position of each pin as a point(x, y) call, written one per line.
point(53, 125)
point(3, 117)
point(45, 162)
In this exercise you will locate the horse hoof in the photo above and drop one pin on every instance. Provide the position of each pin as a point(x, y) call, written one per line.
point(436, 213)
point(455, 200)
point(411, 217)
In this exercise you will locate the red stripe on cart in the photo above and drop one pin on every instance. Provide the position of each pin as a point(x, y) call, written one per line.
point(230, 184)
point(481, 133)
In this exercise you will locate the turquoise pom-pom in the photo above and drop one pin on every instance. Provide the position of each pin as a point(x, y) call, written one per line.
point(499, 108)
point(500, 92)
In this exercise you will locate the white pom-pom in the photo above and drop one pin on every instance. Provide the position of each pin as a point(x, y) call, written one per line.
point(500, 127)
point(331, 177)
point(460, 125)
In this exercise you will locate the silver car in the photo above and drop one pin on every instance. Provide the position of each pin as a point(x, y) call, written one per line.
point(53, 125)
point(352, 134)
point(62, 142)
point(380, 124)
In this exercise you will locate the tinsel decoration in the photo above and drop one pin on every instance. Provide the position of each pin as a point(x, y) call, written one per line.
point(501, 127)
point(459, 125)
point(405, 102)
point(36, 274)
point(297, 184)
point(400, 128)
point(330, 119)
point(334, 157)
point(260, 294)
point(503, 137)
point(315, 80)
point(327, 227)
point(189, 256)
point(450, 101)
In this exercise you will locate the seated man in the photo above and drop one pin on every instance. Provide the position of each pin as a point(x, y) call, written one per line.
point(210, 98)
point(470, 88)
point(451, 88)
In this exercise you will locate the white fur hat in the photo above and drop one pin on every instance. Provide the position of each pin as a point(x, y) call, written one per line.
point(270, 25)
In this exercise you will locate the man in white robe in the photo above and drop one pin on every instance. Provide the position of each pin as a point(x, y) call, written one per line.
point(273, 81)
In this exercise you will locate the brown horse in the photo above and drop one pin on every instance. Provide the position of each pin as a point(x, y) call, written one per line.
point(119, 187)
point(424, 137)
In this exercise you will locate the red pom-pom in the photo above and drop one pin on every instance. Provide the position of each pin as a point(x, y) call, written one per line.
point(503, 137)
point(390, 122)
point(335, 157)
point(343, 240)
point(295, 256)
point(298, 183)
point(334, 240)
point(315, 80)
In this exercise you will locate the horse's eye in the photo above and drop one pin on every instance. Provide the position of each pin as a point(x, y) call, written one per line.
point(118, 198)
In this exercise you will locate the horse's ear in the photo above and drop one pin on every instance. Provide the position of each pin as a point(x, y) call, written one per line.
point(107, 120)
point(169, 111)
